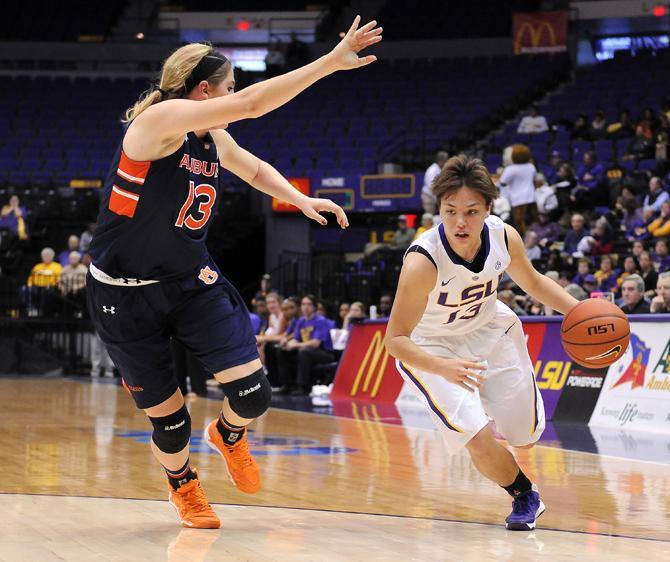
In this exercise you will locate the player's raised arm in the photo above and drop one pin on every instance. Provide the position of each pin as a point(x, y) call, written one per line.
point(266, 178)
point(417, 280)
point(172, 118)
point(522, 272)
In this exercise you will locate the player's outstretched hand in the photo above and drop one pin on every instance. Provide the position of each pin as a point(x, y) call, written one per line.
point(345, 55)
point(463, 373)
point(313, 207)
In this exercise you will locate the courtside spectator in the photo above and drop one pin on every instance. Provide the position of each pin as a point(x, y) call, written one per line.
point(73, 276)
point(385, 305)
point(13, 218)
point(311, 345)
point(428, 200)
point(656, 196)
point(290, 307)
point(426, 224)
point(660, 227)
point(86, 237)
point(533, 122)
point(72, 246)
point(661, 302)
point(632, 293)
point(574, 236)
point(356, 314)
point(342, 314)
point(47, 272)
point(517, 184)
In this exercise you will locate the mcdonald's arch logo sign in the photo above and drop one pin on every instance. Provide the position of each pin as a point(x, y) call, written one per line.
point(366, 372)
point(540, 32)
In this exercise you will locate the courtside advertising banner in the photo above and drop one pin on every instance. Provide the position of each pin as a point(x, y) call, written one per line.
point(636, 390)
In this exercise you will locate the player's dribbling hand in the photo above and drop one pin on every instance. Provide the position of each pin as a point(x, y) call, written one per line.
point(345, 55)
point(312, 208)
point(462, 373)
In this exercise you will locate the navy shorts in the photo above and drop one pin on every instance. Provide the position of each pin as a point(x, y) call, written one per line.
point(136, 324)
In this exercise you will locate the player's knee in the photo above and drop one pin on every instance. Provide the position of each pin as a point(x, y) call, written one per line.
point(528, 446)
point(249, 397)
point(172, 433)
point(481, 443)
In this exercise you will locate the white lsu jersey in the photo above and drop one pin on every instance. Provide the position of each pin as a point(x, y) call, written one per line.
point(462, 300)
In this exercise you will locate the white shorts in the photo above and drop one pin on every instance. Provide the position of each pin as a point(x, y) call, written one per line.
point(508, 396)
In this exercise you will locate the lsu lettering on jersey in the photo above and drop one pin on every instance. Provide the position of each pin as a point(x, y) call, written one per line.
point(464, 298)
point(154, 215)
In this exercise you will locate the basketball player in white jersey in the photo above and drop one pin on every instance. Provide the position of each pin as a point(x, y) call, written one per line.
point(461, 349)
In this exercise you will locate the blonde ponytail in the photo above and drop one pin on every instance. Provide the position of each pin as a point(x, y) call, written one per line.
point(176, 70)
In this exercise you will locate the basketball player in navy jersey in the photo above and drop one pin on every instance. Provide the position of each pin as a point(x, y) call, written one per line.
point(151, 278)
point(460, 349)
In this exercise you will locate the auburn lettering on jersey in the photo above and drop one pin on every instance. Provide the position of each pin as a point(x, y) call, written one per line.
point(154, 215)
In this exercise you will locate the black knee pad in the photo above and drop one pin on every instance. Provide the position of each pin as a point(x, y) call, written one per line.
point(172, 433)
point(249, 397)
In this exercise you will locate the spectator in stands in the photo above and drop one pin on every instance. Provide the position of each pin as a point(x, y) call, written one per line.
point(551, 171)
point(509, 298)
point(661, 258)
point(660, 304)
point(590, 284)
point(607, 275)
point(574, 236)
point(531, 243)
point(622, 128)
point(590, 175)
point(13, 218)
point(598, 125)
point(637, 249)
point(534, 307)
point(632, 293)
point(583, 269)
point(547, 231)
point(628, 211)
point(648, 273)
point(533, 123)
point(603, 235)
point(576, 291)
point(639, 230)
point(311, 345)
point(640, 147)
point(403, 236)
point(342, 314)
point(649, 122)
point(86, 237)
point(297, 53)
point(274, 341)
point(545, 197)
point(517, 184)
point(356, 314)
point(47, 272)
point(566, 181)
point(385, 305)
point(274, 323)
point(426, 224)
point(660, 227)
point(73, 276)
point(428, 200)
point(656, 196)
point(580, 128)
point(266, 288)
point(630, 267)
point(261, 311)
point(72, 246)
point(275, 61)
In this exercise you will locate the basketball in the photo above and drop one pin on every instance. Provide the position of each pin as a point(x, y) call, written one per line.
point(595, 333)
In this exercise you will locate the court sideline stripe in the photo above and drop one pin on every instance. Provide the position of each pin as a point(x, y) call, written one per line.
point(339, 511)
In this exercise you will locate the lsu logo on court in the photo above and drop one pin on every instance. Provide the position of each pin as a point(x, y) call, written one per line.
point(372, 367)
point(207, 276)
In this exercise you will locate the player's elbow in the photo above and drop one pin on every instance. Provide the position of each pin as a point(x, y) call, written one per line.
point(251, 105)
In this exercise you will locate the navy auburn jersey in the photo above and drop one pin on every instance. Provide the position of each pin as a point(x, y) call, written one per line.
point(154, 215)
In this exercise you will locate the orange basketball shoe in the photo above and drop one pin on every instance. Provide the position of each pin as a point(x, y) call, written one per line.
point(240, 465)
point(192, 506)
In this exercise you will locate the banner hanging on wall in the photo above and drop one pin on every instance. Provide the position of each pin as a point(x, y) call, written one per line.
point(540, 32)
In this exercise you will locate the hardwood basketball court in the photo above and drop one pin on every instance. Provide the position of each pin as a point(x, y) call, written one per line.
point(81, 484)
